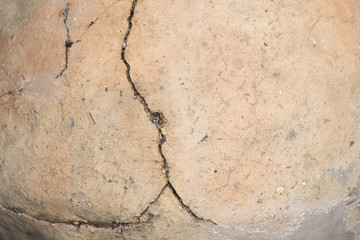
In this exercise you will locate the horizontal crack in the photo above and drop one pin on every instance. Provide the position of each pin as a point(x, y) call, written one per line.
point(13, 92)
point(156, 118)
point(95, 224)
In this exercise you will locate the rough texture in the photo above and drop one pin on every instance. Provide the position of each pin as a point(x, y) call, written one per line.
point(179, 119)
point(261, 104)
point(76, 147)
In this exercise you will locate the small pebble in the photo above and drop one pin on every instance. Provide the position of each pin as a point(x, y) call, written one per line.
point(279, 189)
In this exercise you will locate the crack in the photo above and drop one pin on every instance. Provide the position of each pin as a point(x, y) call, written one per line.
point(95, 224)
point(95, 20)
point(13, 92)
point(157, 118)
point(68, 42)
point(187, 207)
point(151, 203)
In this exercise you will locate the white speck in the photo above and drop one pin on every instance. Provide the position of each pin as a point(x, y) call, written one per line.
point(303, 183)
point(280, 92)
point(74, 18)
point(313, 41)
point(279, 189)
point(303, 198)
point(100, 59)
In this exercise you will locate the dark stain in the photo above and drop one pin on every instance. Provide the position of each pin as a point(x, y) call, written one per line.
point(204, 139)
point(291, 135)
point(72, 125)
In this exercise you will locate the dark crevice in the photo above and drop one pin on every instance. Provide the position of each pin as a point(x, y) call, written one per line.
point(95, 224)
point(157, 118)
point(13, 92)
point(106, 225)
point(187, 207)
point(68, 42)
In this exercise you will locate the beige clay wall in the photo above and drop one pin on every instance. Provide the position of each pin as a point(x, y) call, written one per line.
point(188, 119)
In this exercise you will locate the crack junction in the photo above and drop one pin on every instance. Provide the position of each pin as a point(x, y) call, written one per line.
point(157, 118)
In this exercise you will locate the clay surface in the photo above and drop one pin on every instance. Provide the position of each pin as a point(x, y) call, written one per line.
point(179, 119)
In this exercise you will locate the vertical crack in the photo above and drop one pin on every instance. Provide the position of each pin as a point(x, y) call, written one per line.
point(68, 42)
point(157, 118)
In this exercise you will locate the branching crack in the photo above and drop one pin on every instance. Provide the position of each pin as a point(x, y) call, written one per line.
point(157, 118)
point(68, 42)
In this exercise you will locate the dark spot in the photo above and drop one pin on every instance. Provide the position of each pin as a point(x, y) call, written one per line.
point(205, 138)
point(121, 93)
point(351, 143)
point(110, 181)
point(72, 124)
point(135, 97)
point(125, 188)
point(265, 10)
point(131, 179)
point(291, 135)
point(215, 171)
point(68, 43)
point(18, 91)
point(91, 23)
point(101, 148)
point(326, 120)
point(265, 44)
point(83, 99)
point(106, 89)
